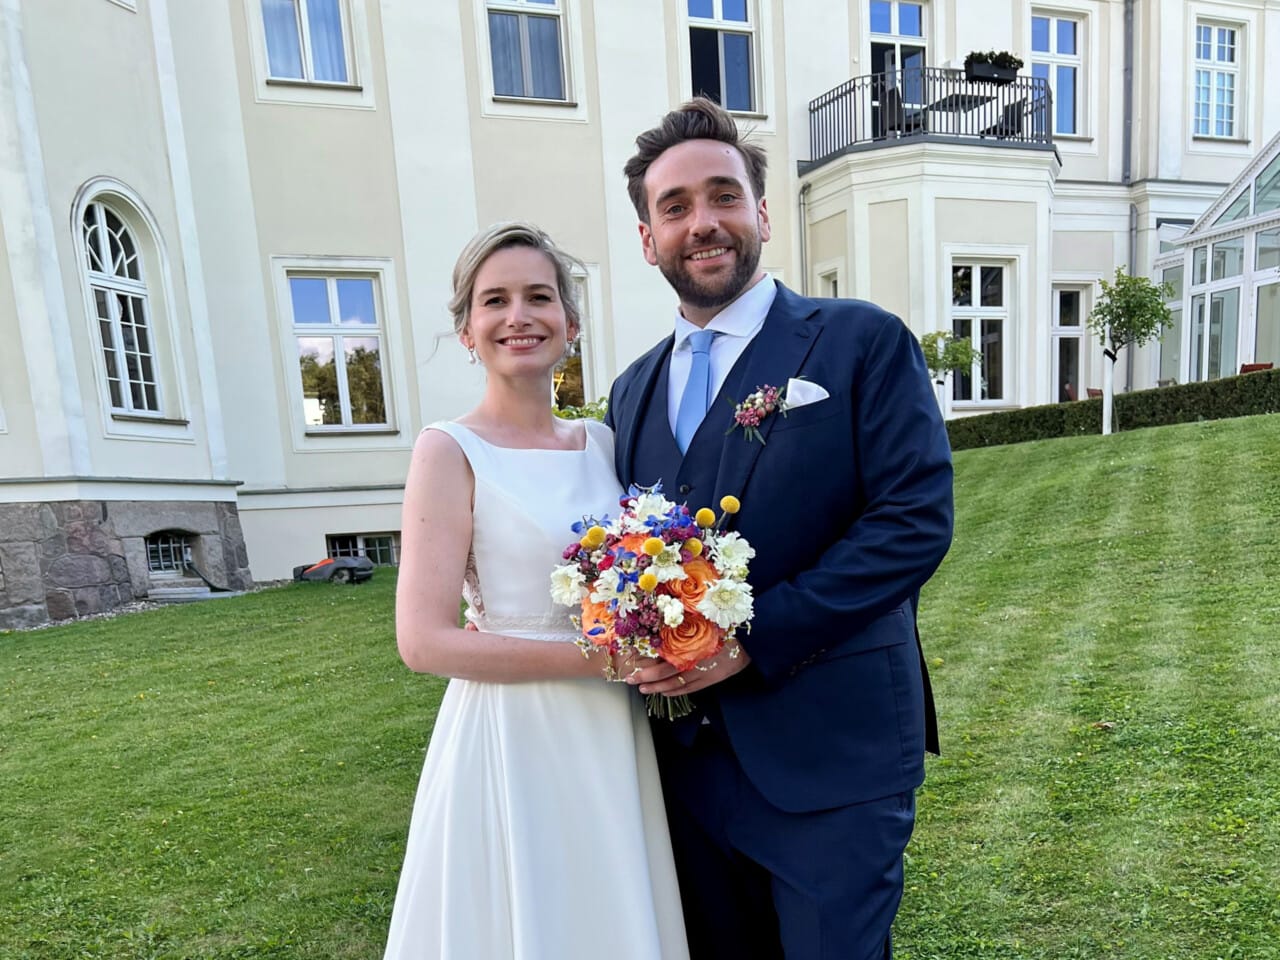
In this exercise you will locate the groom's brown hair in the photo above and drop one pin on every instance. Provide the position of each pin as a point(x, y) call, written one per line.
point(698, 119)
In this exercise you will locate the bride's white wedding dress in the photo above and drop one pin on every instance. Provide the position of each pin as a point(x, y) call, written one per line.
point(538, 831)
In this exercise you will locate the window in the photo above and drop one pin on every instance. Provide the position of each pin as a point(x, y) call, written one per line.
point(897, 62)
point(1216, 70)
point(339, 336)
point(1239, 208)
point(722, 52)
point(980, 314)
point(382, 548)
point(526, 49)
point(1267, 348)
point(1056, 59)
point(1268, 249)
point(831, 285)
point(167, 553)
point(1215, 309)
point(1171, 337)
point(119, 292)
point(1067, 336)
point(306, 40)
point(1266, 187)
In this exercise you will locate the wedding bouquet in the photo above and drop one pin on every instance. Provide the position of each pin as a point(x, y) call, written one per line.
point(657, 581)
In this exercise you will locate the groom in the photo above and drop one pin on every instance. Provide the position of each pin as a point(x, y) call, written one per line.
point(790, 791)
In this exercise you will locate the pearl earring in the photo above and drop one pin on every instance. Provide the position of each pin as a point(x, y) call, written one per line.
point(471, 353)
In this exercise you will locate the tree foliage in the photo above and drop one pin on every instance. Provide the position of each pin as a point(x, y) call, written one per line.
point(944, 353)
point(1130, 312)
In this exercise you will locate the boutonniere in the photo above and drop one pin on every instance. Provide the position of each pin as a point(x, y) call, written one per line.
point(750, 413)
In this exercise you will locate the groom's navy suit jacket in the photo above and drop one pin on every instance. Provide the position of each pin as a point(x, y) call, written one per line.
point(848, 505)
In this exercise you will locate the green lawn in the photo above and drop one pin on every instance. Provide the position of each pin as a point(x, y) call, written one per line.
point(234, 779)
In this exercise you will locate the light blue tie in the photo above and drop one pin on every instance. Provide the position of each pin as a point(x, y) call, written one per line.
point(697, 389)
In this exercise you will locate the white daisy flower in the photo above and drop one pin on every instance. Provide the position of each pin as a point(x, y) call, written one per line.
point(666, 565)
point(731, 555)
point(568, 585)
point(726, 603)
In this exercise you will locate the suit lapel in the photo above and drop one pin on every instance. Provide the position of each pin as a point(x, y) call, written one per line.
point(780, 348)
point(638, 399)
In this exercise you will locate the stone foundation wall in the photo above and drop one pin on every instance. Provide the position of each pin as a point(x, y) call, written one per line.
point(73, 558)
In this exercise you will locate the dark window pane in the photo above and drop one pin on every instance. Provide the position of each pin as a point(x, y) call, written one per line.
point(992, 360)
point(993, 286)
point(1069, 308)
point(504, 51)
point(1068, 368)
point(962, 286)
point(704, 60)
point(962, 384)
point(544, 54)
point(737, 72)
point(1040, 34)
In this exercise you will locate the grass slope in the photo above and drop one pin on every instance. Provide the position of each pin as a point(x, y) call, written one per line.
point(234, 779)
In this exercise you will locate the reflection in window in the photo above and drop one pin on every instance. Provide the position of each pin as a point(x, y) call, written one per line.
point(1224, 324)
point(1228, 259)
point(1171, 337)
point(1239, 208)
point(1056, 59)
point(983, 325)
point(1266, 187)
point(1267, 349)
point(339, 342)
point(1268, 249)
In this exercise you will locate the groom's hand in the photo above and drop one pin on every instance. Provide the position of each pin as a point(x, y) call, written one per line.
point(663, 678)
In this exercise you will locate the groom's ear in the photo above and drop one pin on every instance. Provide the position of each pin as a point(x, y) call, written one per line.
point(646, 241)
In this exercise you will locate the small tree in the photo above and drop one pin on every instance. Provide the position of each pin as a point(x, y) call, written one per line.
point(1130, 312)
point(945, 354)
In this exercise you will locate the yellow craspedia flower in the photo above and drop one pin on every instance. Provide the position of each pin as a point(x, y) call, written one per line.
point(730, 504)
point(705, 517)
point(593, 538)
point(648, 580)
point(653, 546)
point(694, 546)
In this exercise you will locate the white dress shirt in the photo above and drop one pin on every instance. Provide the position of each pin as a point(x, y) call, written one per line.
point(737, 324)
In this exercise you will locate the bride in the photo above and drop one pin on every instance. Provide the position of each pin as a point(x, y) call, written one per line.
point(538, 830)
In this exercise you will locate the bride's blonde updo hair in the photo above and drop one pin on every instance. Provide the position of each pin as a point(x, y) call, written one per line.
point(511, 233)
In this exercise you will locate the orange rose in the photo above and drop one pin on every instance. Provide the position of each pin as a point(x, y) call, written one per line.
point(633, 542)
point(597, 615)
point(693, 587)
point(694, 640)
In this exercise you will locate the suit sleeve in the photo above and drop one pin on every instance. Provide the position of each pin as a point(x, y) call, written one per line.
point(897, 539)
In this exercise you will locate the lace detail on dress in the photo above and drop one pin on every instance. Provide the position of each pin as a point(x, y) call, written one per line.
point(551, 627)
point(471, 590)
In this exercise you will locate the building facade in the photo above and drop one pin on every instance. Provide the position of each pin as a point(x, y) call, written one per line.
point(227, 228)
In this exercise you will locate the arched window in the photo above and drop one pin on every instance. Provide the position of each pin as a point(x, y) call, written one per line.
point(119, 290)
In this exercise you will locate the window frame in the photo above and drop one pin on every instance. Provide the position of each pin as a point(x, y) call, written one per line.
point(976, 312)
point(169, 423)
point(721, 26)
point(897, 39)
point(306, 54)
point(353, 94)
point(1058, 332)
point(1052, 59)
point(523, 10)
point(1216, 69)
point(393, 361)
point(573, 109)
point(361, 545)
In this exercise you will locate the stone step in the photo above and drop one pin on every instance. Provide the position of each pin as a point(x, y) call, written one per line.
point(187, 594)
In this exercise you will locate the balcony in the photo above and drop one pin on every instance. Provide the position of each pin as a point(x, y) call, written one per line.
point(928, 104)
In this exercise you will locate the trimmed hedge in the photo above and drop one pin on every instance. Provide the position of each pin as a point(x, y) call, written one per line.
point(1239, 396)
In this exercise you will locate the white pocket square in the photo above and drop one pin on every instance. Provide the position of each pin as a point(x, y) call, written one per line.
point(803, 392)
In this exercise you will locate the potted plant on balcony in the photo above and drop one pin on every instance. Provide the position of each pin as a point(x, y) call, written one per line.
point(995, 66)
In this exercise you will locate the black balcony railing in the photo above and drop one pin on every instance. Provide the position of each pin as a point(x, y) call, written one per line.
point(932, 102)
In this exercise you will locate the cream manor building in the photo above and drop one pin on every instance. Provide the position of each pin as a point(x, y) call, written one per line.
point(227, 227)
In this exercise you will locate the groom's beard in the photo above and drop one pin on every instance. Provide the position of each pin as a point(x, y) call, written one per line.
point(707, 294)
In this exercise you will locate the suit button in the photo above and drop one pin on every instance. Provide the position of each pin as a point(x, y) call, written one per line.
point(685, 488)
